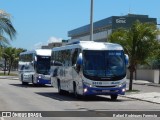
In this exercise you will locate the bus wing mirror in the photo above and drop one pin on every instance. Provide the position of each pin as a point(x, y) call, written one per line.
point(126, 60)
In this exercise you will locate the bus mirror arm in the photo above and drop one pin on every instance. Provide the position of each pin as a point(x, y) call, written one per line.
point(79, 59)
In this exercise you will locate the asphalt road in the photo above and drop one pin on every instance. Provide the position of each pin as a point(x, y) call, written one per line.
point(17, 97)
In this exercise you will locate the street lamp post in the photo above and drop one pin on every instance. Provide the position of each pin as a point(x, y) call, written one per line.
point(91, 21)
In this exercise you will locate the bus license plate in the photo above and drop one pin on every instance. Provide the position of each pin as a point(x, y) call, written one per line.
point(105, 90)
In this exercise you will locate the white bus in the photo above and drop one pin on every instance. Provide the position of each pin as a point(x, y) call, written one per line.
point(34, 66)
point(89, 68)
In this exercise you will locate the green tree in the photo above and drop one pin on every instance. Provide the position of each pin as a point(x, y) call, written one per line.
point(16, 59)
point(11, 57)
point(5, 56)
point(6, 28)
point(11, 52)
point(138, 42)
point(155, 60)
point(7, 32)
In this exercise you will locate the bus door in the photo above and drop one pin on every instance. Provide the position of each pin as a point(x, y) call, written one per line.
point(77, 71)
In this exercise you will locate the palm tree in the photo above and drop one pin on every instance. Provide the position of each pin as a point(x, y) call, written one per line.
point(16, 59)
point(11, 52)
point(6, 28)
point(138, 42)
point(5, 56)
point(11, 56)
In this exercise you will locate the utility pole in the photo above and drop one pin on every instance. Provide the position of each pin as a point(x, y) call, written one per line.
point(91, 21)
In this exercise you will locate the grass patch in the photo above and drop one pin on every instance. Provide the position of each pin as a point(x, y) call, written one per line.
point(11, 74)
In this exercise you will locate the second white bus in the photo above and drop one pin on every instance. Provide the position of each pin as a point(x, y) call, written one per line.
point(34, 66)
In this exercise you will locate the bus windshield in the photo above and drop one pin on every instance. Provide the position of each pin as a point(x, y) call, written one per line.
point(43, 65)
point(101, 65)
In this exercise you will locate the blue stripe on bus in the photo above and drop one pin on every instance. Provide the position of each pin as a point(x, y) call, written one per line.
point(43, 81)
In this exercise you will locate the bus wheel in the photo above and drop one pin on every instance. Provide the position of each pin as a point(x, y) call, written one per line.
point(33, 81)
point(75, 90)
point(59, 88)
point(23, 83)
point(114, 97)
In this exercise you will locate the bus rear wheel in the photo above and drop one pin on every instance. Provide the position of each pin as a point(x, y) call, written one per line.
point(34, 84)
point(76, 95)
point(114, 97)
point(60, 91)
point(23, 83)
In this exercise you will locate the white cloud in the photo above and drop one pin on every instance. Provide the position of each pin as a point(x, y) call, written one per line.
point(54, 39)
point(50, 40)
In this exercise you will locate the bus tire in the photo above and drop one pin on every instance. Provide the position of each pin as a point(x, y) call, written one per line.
point(114, 97)
point(75, 91)
point(34, 84)
point(60, 91)
point(23, 83)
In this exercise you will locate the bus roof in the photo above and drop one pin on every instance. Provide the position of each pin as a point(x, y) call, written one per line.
point(42, 52)
point(91, 45)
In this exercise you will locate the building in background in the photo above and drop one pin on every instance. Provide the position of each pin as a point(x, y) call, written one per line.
point(54, 44)
point(102, 28)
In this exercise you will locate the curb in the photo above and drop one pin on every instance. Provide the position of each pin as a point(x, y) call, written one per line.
point(148, 84)
point(152, 97)
point(153, 84)
point(139, 99)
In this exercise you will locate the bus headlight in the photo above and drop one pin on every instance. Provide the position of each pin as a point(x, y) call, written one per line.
point(85, 90)
point(123, 90)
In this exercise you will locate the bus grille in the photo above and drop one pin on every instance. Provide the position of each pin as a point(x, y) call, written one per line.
point(105, 91)
point(105, 86)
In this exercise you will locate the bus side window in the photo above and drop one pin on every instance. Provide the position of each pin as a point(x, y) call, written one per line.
point(74, 56)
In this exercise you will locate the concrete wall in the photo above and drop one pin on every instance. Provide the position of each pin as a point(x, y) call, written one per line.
point(148, 75)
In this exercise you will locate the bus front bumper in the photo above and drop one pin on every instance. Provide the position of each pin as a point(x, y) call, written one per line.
point(43, 81)
point(104, 90)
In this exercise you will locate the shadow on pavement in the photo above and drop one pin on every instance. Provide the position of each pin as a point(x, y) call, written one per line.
point(30, 85)
point(70, 97)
